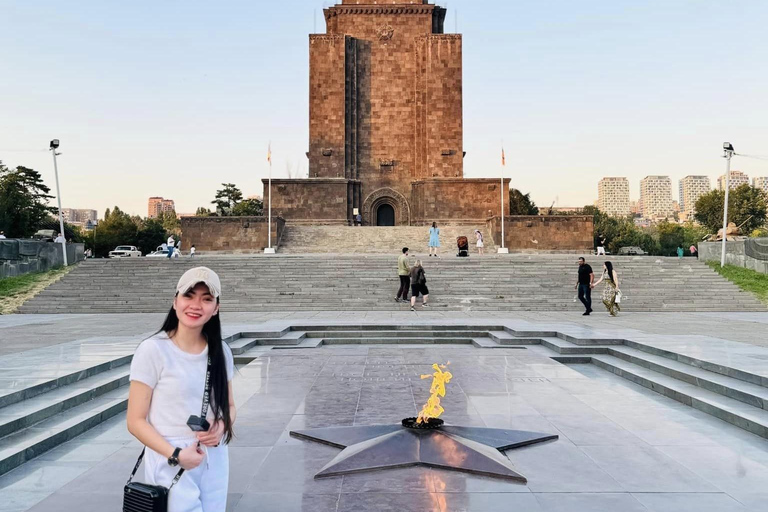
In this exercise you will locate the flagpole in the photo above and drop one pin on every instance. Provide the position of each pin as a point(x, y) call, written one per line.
point(269, 249)
point(502, 249)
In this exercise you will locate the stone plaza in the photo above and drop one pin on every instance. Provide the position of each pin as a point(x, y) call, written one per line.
point(653, 411)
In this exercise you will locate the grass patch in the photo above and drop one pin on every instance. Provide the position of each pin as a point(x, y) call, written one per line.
point(14, 291)
point(746, 279)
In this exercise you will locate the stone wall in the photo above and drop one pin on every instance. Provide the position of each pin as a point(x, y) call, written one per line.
point(20, 256)
point(567, 233)
point(457, 199)
point(229, 234)
point(737, 253)
point(321, 201)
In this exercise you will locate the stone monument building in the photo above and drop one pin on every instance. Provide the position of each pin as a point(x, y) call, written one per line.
point(385, 123)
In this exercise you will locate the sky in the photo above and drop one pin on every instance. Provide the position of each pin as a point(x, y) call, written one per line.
point(174, 98)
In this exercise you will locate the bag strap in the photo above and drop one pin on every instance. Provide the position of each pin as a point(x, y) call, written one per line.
point(207, 391)
point(138, 463)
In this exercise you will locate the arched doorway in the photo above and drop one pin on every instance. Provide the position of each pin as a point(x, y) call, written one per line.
point(385, 215)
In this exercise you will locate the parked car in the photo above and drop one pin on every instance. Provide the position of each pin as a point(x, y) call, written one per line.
point(631, 251)
point(160, 253)
point(125, 251)
point(45, 235)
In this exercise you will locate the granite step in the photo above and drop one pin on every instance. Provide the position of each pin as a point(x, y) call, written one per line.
point(751, 394)
point(28, 443)
point(397, 341)
point(34, 410)
point(733, 411)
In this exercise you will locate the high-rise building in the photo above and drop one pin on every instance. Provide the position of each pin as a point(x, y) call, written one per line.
point(613, 196)
point(158, 205)
point(79, 217)
point(738, 179)
point(656, 196)
point(761, 183)
point(691, 189)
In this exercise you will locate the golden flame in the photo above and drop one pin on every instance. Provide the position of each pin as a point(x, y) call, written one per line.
point(433, 409)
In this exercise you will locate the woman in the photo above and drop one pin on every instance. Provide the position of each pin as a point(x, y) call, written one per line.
point(680, 252)
point(434, 239)
point(611, 289)
point(418, 285)
point(480, 243)
point(168, 380)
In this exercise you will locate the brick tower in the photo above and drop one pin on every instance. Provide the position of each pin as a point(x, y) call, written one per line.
point(385, 129)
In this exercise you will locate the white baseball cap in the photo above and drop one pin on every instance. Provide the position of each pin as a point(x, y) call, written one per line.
point(196, 275)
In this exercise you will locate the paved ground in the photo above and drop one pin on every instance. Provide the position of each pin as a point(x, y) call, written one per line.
point(621, 447)
point(24, 332)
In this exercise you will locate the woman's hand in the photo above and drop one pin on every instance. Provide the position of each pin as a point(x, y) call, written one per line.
point(213, 436)
point(191, 457)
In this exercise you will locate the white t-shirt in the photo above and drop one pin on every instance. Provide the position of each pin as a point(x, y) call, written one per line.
point(177, 379)
point(171, 242)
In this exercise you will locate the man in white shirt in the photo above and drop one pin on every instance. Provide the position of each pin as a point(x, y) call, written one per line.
point(60, 239)
point(171, 242)
point(2, 235)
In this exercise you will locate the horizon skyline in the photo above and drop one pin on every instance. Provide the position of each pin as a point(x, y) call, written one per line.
point(178, 102)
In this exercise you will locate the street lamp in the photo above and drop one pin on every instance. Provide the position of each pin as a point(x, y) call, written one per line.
point(53, 147)
point(728, 153)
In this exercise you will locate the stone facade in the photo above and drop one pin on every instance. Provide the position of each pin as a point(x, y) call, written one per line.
point(386, 127)
point(545, 233)
point(229, 234)
point(20, 256)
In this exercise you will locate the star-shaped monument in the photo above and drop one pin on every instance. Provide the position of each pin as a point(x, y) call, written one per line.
point(468, 449)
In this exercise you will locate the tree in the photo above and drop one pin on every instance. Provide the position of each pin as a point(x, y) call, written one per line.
point(151, 234)
point(204, 212)
point(117, 228)
point(23, 201)
point(227, 198)
point(170, 222)
point(248, 207)
point(671, 236)
point(520, 204)
point(746, 204)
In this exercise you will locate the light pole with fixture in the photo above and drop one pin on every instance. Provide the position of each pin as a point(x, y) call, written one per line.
point(53, 147)
point(728, 153)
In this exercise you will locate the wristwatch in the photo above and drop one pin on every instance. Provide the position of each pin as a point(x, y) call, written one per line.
point(173, 460)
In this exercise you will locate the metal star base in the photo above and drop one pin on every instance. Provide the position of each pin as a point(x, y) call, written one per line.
point(468, 449)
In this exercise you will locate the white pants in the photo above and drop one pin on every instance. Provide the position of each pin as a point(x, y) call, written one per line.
point(601, 250)
point(203, 489)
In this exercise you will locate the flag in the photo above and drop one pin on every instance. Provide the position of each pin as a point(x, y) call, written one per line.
point(503, 159)
point(269, 153)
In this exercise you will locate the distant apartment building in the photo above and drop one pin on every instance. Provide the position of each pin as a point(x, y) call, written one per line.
point(613, 196)
point(636, 207)
point(656, 197)
point(761, 183)
point(691, 189)
point(738, 179)
point(158, 205)
point(79, 217)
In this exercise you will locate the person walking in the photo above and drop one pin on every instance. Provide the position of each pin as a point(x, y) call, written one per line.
point(584, 285)
point(600, 245)
point(434, 239)
point(680, 252)
point(170, 243)
point(359, 219)
point(404, 272)
point(2, 235)
point(694, 251)
point(172, 372)
point(611, 292)
point(418, 285)
point(192, 252)
point(480, 244)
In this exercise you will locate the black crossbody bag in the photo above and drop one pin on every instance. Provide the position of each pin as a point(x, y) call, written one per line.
point(139, 497)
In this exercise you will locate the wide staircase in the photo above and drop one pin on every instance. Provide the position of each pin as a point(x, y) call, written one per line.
point(368, 282)
point(299, 239)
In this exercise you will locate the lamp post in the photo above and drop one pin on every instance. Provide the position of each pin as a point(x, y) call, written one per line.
point(269, 249)
point(53, 147)
point(502, 249)
point(728, 153)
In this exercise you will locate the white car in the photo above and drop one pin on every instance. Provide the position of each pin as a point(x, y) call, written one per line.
point(125, 251)
point(158, 254)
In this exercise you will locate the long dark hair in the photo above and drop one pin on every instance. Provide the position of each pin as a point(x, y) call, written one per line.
point(434, 224)
point(609, 269)
point(219, 386)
